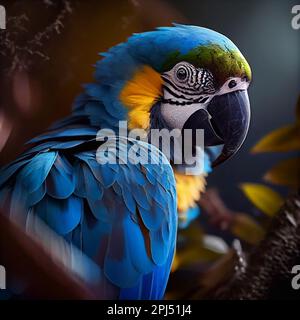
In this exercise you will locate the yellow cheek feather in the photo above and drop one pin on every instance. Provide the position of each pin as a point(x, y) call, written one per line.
point(139, 95)
point(189, 189)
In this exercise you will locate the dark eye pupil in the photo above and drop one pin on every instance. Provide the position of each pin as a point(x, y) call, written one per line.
point(232, 84)
point(181, 74)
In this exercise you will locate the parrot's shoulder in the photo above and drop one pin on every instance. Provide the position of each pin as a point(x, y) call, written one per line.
point(121, 214)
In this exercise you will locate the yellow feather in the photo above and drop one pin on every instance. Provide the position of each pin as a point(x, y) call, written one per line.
point(139, 95)
point(189, 189)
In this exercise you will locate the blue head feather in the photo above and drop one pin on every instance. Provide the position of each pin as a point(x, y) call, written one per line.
point(151, 48)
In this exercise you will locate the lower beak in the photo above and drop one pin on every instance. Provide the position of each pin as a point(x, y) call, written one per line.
point(225, 121)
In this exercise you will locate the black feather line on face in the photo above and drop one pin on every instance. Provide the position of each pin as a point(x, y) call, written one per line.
point(182, 95)
point(184, 103)
point(188, 91)
point(176, 86)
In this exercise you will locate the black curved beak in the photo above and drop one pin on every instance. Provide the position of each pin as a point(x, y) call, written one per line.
point(225, 121)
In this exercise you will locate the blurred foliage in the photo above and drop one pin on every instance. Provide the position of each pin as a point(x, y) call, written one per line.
point(264, 198)
point(280, 140)
point(245, 228)
point(194, 246)
point(284, 173)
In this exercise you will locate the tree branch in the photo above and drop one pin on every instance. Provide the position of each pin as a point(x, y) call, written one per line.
point(268, 272)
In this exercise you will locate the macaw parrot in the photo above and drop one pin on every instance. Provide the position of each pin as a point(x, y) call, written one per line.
point(125, 217)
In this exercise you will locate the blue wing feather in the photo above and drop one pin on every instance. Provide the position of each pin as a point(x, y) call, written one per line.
point(63, 216)
point(60, 183)
point(35, 173)
point(116, 214)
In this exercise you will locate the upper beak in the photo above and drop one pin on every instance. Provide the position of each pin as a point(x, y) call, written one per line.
point(225, 121)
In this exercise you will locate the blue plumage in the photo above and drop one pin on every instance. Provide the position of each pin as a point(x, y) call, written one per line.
point(78, 193)
point(122, 216)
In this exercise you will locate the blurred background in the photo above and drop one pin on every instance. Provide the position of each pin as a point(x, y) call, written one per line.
point(48, 52)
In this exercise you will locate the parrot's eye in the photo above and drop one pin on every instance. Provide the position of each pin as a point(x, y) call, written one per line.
point(232, 84)
point(181, 73)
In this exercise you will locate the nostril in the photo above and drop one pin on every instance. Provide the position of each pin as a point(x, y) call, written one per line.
point(245, 78)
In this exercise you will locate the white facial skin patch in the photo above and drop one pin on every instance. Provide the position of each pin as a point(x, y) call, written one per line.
point(180, 102)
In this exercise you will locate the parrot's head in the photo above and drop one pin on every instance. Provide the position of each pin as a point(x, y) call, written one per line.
point(181, 77)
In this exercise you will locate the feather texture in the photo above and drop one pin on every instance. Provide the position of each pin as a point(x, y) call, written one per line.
point(113, 213)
